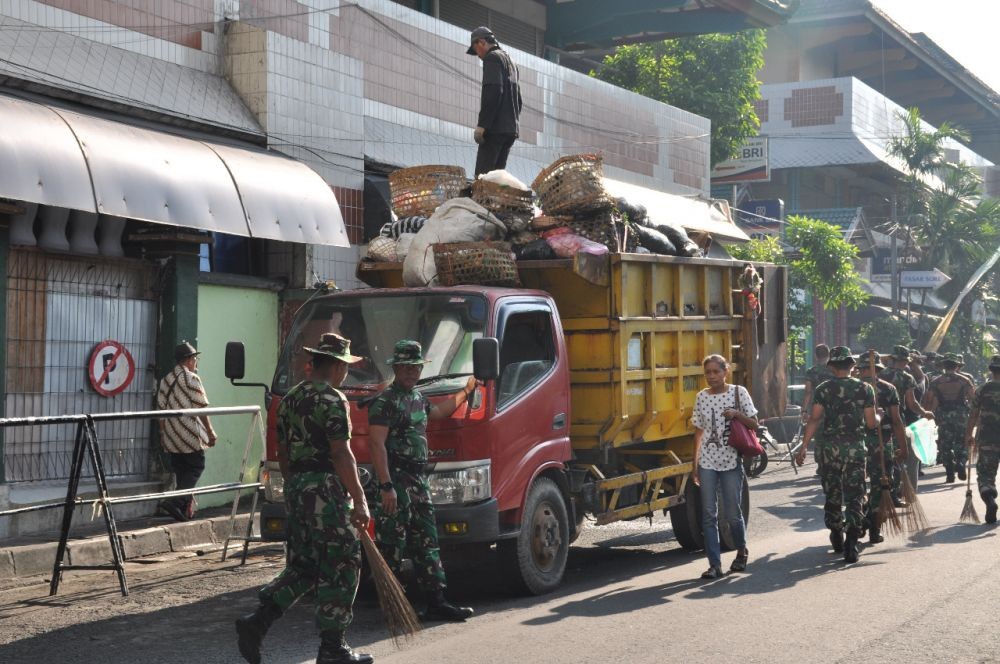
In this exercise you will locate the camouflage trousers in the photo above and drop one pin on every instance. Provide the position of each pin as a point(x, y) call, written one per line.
point(323, 551)
point(874, 466)
point(986, 469)
point(844, 483)
point(411, 532)
point(951, 437)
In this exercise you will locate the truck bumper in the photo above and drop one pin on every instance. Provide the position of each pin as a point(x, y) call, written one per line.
point(460, 524)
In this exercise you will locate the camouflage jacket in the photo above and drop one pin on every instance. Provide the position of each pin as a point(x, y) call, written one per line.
point(903, 381)
point(950, 390)
point(405, 413)
point(844, 401)
point(886, 398)
point(987, 401)
point(818, 373)
point(309, 417)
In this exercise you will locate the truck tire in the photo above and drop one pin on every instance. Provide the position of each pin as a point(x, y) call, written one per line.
point(725, 534)
point(686, 519)
point(535, 560)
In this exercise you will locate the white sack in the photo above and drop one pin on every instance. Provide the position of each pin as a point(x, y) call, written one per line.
point(403, 245)
point(456, 220)
point(504, 178)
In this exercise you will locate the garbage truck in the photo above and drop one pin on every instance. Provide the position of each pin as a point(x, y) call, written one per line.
point(589, 372)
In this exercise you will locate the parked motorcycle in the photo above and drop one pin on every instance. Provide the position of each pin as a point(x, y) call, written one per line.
point(754, 466)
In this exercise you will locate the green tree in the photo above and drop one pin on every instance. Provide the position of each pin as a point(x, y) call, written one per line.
point(884, 332)
point(824, 261)
point(714, 76)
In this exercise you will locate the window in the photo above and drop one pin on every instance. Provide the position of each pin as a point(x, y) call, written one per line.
point(527, 352)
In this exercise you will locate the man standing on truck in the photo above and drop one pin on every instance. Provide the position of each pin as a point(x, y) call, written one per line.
point(321, 481)
point(397, 440)
point(500, 103)
point(844, 406)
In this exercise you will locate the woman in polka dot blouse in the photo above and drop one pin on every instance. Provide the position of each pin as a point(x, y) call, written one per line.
point(717, 465)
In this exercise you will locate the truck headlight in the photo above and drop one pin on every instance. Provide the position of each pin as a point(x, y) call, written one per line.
point(274, 483)
point(456, 482)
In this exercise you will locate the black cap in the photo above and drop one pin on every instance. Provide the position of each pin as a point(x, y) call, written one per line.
point(482, 32)
point(184, 350)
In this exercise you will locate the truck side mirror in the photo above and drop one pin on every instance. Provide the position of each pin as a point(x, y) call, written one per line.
point(486, 358)
point(235, 360)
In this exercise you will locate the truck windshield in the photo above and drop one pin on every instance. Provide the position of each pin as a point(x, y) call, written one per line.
point(445, 325)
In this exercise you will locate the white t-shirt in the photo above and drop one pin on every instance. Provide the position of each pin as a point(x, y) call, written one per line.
point(708, 408)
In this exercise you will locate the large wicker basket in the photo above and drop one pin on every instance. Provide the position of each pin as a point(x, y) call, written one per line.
point(572, 185)
point(500, 199)
point(418, 191)
point(481, 263)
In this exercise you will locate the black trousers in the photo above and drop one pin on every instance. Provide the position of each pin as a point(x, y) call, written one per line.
point(187, 468)
point(493, 152)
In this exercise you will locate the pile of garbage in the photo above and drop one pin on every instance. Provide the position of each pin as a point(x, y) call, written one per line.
point(565, 211)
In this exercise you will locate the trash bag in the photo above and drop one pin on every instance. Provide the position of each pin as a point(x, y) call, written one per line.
point(536, 250)
point(403, 245)
point(566, 244)
point(456, 220)
point(923, 434)
point(502, 177)
point(655, 241)
point(636, 213)
point(677, 236)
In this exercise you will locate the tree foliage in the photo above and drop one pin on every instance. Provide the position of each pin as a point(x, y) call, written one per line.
point(825, 262)
point(714, 76)
point(885, 332)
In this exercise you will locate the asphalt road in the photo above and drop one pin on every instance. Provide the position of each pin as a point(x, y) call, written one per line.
point(631, 594)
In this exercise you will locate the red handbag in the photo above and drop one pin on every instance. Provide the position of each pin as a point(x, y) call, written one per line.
point(741, 438)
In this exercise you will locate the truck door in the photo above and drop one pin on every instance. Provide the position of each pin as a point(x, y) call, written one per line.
point(532, 398)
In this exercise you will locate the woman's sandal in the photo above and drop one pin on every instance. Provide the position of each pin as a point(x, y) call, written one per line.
point(740, 562)
point(712, 573)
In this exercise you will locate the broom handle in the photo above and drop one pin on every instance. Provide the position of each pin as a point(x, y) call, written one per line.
point(878, 428)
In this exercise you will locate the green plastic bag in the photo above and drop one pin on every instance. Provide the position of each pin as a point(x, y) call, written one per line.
point(923, 436)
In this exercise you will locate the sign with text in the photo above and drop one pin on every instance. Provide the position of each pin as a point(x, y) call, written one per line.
point(882, 263)
point(751, 164)
point(923, 278)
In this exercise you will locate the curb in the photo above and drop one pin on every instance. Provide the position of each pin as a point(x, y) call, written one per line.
point(37, 559)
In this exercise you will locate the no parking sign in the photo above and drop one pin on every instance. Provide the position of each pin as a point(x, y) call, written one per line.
point(111, 368)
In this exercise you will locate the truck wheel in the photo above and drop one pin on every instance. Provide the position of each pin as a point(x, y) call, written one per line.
point(725, 534)
point(578, 510)
point(686, 519)
point(536, 560)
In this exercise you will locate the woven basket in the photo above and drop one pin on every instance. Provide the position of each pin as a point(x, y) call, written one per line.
point(382, 249)
point(501, 199)
point(481, 263)
point(418, 191)
point(572, 185)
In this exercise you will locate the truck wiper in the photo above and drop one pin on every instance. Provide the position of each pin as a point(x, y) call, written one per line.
point(433, 379)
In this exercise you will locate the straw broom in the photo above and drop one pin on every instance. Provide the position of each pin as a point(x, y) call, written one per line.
point(886, 515)
point(969, 514)
point(400, 618)
point(915, 518)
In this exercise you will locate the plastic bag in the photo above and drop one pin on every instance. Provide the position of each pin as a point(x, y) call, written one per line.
point(504, 178)
point(457, 220)
point(923, 435)
point(536, 250)
point(678, 236)
point(655, 241)
point(566, 244)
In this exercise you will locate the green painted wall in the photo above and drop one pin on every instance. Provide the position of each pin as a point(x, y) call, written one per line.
point(250, 315)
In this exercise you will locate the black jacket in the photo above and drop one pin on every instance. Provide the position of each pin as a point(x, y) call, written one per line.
point(500, 105)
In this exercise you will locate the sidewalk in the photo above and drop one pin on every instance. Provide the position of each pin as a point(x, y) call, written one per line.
point(32, 555)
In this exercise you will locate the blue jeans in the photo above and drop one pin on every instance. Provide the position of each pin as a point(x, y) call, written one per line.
point(731, 484)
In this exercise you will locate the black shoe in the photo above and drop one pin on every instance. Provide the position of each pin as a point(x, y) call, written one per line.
point(991, 507)
point(920, 472)
point(874, 536)
point(438, 608)
point(950, 477)
point(960, 471)
point(250, 631)
point(898, 502)
point(333, 649)
point(851, 550)
point(174, 511)
point(837, 540)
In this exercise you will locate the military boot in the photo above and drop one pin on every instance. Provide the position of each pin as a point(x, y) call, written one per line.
point(960, 471)
point(333, 649)
point(949, 474)
point(837, 540)
point(251, 628)
point(439, 608)
point(990, 498)
point(851, 548)
point(875, 535)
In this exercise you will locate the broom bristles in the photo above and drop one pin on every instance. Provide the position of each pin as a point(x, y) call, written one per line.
point(969, 514)
point(888, 518)
point(915, 517)
point(400, 618)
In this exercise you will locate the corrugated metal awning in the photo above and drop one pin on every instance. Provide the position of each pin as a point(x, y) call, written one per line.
point(693, 214)
point(61, 158)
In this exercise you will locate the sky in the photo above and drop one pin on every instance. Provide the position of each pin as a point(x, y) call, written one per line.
point(967, 29)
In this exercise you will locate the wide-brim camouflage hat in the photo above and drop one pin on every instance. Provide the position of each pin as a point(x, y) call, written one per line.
point(407, 351)
point(841, 354)
point(864, 362)
point(901, 352)
point(335, 346)
point(995, 363)
point(954, 358)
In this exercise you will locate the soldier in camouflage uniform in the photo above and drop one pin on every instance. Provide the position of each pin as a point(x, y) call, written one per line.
point(906, 386)
point(815, 375)
point(887, 400)
point(397, 439)
point(949, 396)
point(982, 434)
point(321, 481)
point(844, 406)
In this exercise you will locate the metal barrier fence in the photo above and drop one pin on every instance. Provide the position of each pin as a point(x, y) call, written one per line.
point(87, 444)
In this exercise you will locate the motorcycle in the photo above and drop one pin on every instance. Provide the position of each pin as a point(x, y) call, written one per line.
point(754, 466)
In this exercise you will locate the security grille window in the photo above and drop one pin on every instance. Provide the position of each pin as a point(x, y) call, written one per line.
point(58, 310)
point(510, 31)
point(527, 352)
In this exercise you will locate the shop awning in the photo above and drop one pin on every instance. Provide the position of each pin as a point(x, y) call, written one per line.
point(61, 158)
point(693, 214)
